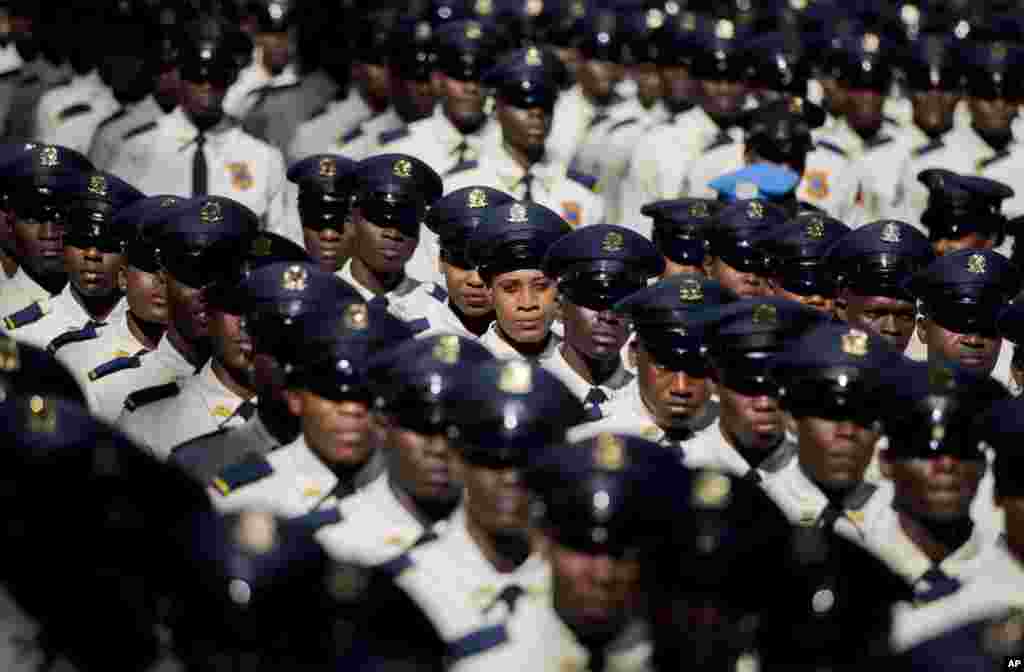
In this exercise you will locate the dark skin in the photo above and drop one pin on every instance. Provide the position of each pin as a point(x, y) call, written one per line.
point(189, 322)
point(39, 248)
point(93, 277)
point(1013, 515)
point(835, 96)
point(374, 84)
point(972, 241)
point(470, 297)
point(675, 268)
point(570, 58)
point(977, 352)
point(816, 301)
point(146, 294)
point(461, 100)
point(834, 453)
point(420, 465)
point(338, 432)
point(379, 254)
point(497, 511)
point(203, 102)
point(330, 247)
point(232, 353)
point(275, 49)
point(933, 110)
point(722, 99)
point(413, 99)
point(597, 79)
point(524, 131)
point(746, 284)
point(270, 382)
point(864, 111)
point(167, 90)
point(592, 342)
point(680, 88)
point(8, 264)
point(992, 115)
point(650, 87)
point(751, 424)
point(525, 306)
point(892, 319)
point(674, 398)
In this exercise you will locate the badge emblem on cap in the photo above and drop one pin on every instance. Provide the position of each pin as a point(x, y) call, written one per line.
point(294, 279)
point(855, 343)
point(328, 167)
point(998, 51)
point(211, 213)
point(976, 264)
point(515, 377)
point(533, 57)
point(447, 348)
point(655, 19)
point(699, 209)
point(476, 198)
point(870, 43)
point(815, 228)
point(473, 31)
point(423, 30)
point(609, 452)
point(517, 214)
point(9, 357)
point(765, 313)
point(98, 185)
point(357, 316)
point(712, 490)
point(613, 242)
point(725, 30)
point(691, 291)
point(689, 22)
point(796, 105)
point(402, 168)
point(48, 157)
point(261, 247)
point(755, 210)
point(891, 233)
point(484, 7)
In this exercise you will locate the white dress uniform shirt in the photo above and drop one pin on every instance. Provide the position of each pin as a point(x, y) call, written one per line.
point(611, 388)
point(999, 588)
point(203, 405)
point(161, 366)
point(299, 483)
point(375, 527)
point(61, 314)
point(109, 136)
point(443, 320)
point(573, 117)
point(876, 172)
point(239, 166)
point(68, 115)
point(240, 97)
point(11, 65)
point(366, 138)
point(340, 117)
point(436, 142)
point(19, 290)
point(661, 159)
point(457, 587)
point(412, 301)
point(536, 638)
point(501, 349)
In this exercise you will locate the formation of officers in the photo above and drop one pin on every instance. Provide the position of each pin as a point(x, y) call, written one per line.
point(499, 335)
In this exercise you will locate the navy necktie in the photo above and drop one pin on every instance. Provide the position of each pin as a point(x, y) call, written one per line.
point(936, 584)
point(828, 517)
point(199, 169)
point(246, 409)
point(753, 476)
point(592, 403)
point(509, 595)
point(527, 183)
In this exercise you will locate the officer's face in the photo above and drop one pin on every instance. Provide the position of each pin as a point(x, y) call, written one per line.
point(570, 58)
point(275, 51)
point(91, 272)
point(674, 398)
point(467, 290)
point(146, 294)
point(674, 268)
point(337, 431)
point(596, 595)
point(525, 305)
point(203, 100)
point(598, 78)
point(816, 301)
point(421, 464)
point(722, 98)
point(972, 241)
point(463, 101)
point(329, 247)
point(650, 88)
point(168, 88)
point(992, 115)
point(977, 352)
point(678, 86)
point(835, 453)
point(374, 81)
point(232, 345)
point(413, 99)
point(754, 423)
point(864, 110)
point(188, 309)
point(747, 285)
point(593, 334)
point(835, 96)
point(524, 129)
point(384, 250)
point(892, 319)
point(941, 488)
point(495, 499)
point(39, 245)
point(933, 110)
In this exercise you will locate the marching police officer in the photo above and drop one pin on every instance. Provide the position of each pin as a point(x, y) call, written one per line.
point(964, 211)
point(798, 271)
point(734, 260)
point(508, 248)
point(596, 267)
point(317, 215)
point(680, 232)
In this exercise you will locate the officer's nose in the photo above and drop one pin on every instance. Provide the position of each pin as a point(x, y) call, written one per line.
point(681, 385)
point(973, 341)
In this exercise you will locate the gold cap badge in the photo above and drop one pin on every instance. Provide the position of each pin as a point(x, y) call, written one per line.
point(328, 167)
point(447, 348)
point(402, 168)
point(891, 233)
point(168, 201)
point(613, 242)
point(476, 198)
point(765, 313)
point(796, 105)
point(48, 157)
point(609, 452)
point(294, 279)
point(484, 7)
point(517, 214)
point(815, 228)
point(262, 246)
point(98, 185)
point(699, 209)
point(357, 316)
point(755, 210)
point(515, 377)
point(855, 343)
point(211, 213)
point(976, 264)
point(691, 291)
point(725, 30)
point(533, 57)
point(655, 19)
point(473, 31)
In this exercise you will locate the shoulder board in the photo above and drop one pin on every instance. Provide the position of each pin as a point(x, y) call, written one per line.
point(890, 120)
point(139, 130)
point(74, 111)
point(253, 468)
point(11, 73)
point(60, 82)
point(723, 139)
point(148, 395)
point(190, 453)
point(314, 520)
point(394, 567)
point(285, 87)
point(438, 293)
point(878, 142)
point(318, 111)
point(351, 135)
point(113, 366)
point(393, 134)
point(824, 144)
point(930, 147)
point(622, 124)
point(86, 333)
point(418, 325)
point(462, 167)
point(780, 458)
point(999, 156)
point(27, 315)
point(860, 496)
point(477, 642)
point(588, 181)
point(114, 117)
point(29, 80)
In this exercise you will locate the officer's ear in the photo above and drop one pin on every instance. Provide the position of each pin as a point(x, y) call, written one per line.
point(122, 278)
point(709, 265)
point(885, 464)
point(922, 329)
point(294, 400)
point(540, 542)
point(840, 305)
point(634, 352)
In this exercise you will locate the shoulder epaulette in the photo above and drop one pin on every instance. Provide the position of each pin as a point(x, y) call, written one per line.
point(390, 135)
point(930, 147)
point(825, 144)
point(284, 87)
point(114, 117)
point(438, 293)
point(115, 365)
point(351, 135)
point(29, 80)
point(780, 458)
point(878, 141)
point(251, 469)
point(86, 333)
point(999, 156)
point(418, 325)
point(74, 111)
point(588, 181)
point(27, 315)
point(318, 111)
point(477, 642)
point(622, 124)
point(394, 567)
point(314, 520)
point(462, 166)
point(139, 130)
point(723, 139)
point(148, 395)
point(10, 73)
point(860, 496)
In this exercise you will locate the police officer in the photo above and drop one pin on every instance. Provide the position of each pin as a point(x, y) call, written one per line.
point(411, 502)
point(596, 267)
point(93, 257)
point(680, 231)
point(484, 567)
point(508, 248)
point(670, 400)
point(45, 68)
point(734, 261)
point(271, 65)
point(961, 295)
point(469, 308)
point(328, 389)
point(460, 129)
point(798, 271)
point(964, 211)
point(525, 85)
point(873, 264)
point(774, 183)
point(196, 150)
point(391, 196)
point(319, 209)
point(35, 220)
point(1009, 325)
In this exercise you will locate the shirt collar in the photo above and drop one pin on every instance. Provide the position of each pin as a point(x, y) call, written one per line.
point(167, 353)
point(497, 345)
point(910, 562)
point(404, 287)
point(578, 385)
point(177, 124)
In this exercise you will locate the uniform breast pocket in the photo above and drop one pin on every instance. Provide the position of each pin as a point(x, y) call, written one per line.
point(247, 185)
